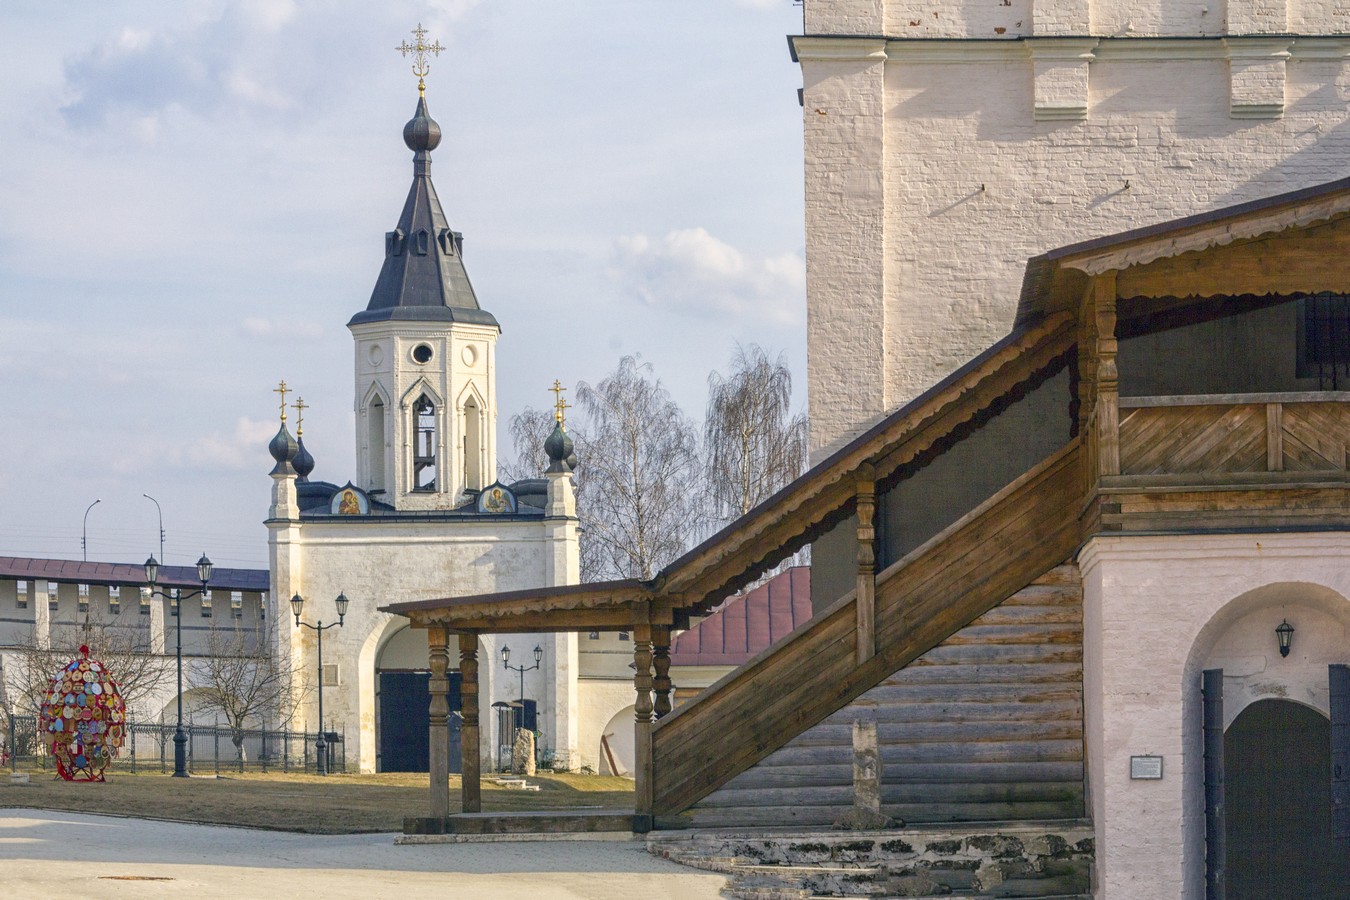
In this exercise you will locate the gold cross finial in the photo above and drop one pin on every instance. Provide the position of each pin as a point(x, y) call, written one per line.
point(419, 51)
point(300, 407)
point(282, 390)
point(560, 406)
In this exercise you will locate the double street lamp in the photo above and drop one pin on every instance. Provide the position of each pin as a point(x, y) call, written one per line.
point(297, 604)
point(151, 578)
point(506, 661)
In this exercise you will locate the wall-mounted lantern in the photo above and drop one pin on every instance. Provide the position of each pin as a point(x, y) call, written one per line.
point(1284, 633)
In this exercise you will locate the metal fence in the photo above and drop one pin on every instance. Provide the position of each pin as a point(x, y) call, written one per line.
point(210, 749)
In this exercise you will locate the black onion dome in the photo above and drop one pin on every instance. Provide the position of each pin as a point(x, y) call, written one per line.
point(558, 447)
point(303, 463)
point(283, 449)
point(422, 133)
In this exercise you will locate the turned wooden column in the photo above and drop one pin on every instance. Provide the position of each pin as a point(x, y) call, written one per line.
point(1108, 377)
point(642, 713)
point(471, 789)
point(439, 730)
point(661, 661)
point(865, 595)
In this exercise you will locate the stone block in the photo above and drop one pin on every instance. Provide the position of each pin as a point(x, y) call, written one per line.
point(522, 754)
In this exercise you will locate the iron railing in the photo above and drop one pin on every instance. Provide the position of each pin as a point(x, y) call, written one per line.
point(210, 749)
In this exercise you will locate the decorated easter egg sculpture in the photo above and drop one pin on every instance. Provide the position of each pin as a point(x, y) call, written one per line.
point(83, 719)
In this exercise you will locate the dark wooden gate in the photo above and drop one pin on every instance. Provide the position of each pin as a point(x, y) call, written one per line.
point(405, 716)
point(1339, 677)
point(1277, 780)
point(1211, 691)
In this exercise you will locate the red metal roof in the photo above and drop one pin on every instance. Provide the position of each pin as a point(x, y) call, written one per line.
point(747, 623)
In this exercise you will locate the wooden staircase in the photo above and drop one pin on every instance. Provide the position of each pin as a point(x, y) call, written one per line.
point(998, 549)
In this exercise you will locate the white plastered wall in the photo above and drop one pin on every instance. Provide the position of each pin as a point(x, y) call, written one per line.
point(934, 170)
point(377, 563)
point(1157, 611)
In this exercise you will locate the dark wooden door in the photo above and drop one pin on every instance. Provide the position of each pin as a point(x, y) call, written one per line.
point(405, 717)
point(405, 705)
point(1277, 791)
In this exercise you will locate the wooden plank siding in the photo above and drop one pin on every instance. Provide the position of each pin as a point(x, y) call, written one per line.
point(1233, 434)
point(961, 738)
point(1018, 535)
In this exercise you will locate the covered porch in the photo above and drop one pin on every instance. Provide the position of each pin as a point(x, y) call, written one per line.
point(454, 626)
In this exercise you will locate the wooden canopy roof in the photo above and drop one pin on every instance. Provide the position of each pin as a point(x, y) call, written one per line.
point(1287, 244)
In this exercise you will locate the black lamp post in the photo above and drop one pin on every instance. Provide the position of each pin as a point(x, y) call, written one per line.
point(1284, 633)
point(151, 577)
point(506, 661)
point(297, 604)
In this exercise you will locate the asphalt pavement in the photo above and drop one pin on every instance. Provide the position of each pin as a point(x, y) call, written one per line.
point(48, 854)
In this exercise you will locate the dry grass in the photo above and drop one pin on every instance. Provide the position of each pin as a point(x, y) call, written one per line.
point(337, 804)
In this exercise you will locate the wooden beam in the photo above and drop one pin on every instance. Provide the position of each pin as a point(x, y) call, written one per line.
point(438, 731)
point(1298, 261)
point(615, 619)
point(1108, 377)
point(865, 593)
point(471, 788)
point(661, 662)
point(1274, 437)
point(642, 726)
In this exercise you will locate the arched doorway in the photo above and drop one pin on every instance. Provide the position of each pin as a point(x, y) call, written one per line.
point(1277, 793)
point(616, 744)
point(403, 704)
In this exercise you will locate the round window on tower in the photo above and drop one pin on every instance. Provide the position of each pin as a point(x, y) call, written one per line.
point(422, 353)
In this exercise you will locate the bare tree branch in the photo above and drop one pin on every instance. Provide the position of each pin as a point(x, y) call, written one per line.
point(753, 444)
point(643, 501)
point(245, 678)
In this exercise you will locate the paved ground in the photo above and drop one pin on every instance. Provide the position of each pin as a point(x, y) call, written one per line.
point(56, 854)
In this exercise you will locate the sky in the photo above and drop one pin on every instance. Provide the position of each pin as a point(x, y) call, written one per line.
point(194, 196)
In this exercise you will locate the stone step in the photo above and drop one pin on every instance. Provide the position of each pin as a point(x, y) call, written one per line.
point(1026, 860)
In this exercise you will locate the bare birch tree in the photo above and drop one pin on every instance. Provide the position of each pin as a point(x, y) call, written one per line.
point(529, 429)
point(245, 679)
point(753, 443)
point(643, 499)
point(123, 649)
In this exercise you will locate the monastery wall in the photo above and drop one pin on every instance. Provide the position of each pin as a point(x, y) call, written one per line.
point(935, 169)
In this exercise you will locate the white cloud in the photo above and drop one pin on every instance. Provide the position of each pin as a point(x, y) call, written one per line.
point(690, 270)
point(244, 447)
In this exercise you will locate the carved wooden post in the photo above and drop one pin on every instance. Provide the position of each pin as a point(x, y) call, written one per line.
point(439, 731)
point(470, 784)
point(642, 735)
point(661, 660)
point(1108, 378)
point(866, 592)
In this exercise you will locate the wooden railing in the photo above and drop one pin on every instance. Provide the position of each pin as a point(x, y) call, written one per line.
point(1234, 434)
point(999, 548)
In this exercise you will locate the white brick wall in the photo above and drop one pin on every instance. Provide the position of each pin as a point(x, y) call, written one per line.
point(983, 164)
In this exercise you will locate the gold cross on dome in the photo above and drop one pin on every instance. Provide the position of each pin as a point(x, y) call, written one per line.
point(419, 51)
point(282, 390)
point(560, 406)
point(300, 407)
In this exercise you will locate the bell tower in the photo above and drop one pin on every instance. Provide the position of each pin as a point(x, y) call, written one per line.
point(425, 364)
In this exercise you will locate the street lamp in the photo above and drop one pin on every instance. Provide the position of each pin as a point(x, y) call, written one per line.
point(160, 513)
point(84, 530)
point(297, 604)
point(151, 578)
point(506, 661)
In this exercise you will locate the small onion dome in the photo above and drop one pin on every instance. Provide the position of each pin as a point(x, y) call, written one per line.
point(560, 451)
point(421, 133)
point(283, 449)
point(303, 463)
